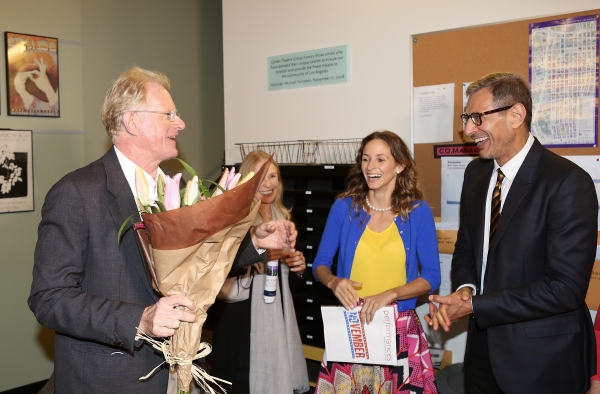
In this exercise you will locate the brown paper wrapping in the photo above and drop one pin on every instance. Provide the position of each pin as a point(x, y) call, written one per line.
point(192, 250)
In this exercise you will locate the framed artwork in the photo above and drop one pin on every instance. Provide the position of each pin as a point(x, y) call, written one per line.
point(16, 171)
point(32, 75)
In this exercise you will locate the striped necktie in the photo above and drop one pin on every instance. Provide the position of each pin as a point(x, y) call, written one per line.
point(496, 203)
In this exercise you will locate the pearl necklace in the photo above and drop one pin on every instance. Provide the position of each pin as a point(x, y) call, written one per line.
point(376, 209)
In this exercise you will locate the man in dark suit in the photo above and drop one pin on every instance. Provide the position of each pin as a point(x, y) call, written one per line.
point(93, 291)
point(522, 278)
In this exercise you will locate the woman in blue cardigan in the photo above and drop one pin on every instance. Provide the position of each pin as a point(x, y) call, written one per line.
point(385, 238)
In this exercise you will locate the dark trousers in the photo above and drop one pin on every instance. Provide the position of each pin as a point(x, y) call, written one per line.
point(479, 378)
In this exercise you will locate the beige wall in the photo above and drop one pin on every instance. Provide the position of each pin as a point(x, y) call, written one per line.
point(97, 40)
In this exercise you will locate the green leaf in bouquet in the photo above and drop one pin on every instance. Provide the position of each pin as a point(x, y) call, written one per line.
point(125, 224)
point(214, 183)
point(187, 167)
point(204, 191)
point(160, 188)
point(161, 206)
point(218, 187)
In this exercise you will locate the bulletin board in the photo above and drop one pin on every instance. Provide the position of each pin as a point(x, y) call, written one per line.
point(464, 55)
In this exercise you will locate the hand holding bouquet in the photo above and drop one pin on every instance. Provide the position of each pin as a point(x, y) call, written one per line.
point(190, 243)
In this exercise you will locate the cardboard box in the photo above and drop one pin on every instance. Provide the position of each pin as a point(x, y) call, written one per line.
point(446, 240)
point(440, 358)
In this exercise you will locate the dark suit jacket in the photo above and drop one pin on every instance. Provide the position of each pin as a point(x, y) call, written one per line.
point(91, 290)
point(539, 329)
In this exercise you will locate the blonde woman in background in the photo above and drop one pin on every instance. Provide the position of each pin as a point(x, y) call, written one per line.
point(257, 346)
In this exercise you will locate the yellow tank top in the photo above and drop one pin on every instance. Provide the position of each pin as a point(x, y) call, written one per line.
point(379, 261)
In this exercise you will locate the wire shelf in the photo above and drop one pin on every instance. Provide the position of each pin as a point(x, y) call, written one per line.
point(284, 152)
point(335, 151)
point(340, 151)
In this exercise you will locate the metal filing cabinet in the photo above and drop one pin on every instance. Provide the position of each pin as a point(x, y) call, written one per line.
point(310, 190)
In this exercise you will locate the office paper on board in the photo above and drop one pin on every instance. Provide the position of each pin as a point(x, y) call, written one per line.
point(453, 173)
point(433, 113)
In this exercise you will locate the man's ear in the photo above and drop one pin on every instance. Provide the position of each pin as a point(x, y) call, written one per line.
point(129, 123)
point(517, 115)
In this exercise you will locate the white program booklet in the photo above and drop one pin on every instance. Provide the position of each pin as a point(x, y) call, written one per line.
point(347, 340)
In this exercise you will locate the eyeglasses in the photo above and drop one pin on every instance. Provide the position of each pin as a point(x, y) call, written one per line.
point(171, 114)
point(476, 116)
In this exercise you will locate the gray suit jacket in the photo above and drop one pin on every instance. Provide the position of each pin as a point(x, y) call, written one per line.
point(540, 335)
point(91, 290)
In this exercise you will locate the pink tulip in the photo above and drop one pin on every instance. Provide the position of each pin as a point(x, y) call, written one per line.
point(233, 183)
point(172, 199)
point(222, 183)
point(229, 177)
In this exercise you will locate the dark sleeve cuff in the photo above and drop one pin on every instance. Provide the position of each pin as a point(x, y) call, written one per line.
point(246, 255)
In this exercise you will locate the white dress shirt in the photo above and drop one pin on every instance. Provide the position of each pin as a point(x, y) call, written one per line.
point(509, 169)
point(128, 168)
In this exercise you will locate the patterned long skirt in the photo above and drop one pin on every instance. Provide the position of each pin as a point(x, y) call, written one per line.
point(413, 375)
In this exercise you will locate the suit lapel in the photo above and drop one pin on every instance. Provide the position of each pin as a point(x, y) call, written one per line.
point(478, 207)
point(121, 208)
point(518, 190)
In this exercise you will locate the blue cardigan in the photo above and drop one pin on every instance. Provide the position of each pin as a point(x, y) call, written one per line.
point(344, 229)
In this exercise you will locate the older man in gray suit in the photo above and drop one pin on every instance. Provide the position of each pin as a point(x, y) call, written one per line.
point(94, 292)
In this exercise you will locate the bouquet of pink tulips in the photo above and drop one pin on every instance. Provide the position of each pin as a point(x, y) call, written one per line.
point(190, 239)
point(168, 195)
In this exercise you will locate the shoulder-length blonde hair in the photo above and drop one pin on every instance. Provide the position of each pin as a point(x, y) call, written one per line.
point(406, 190)
point(278, 210)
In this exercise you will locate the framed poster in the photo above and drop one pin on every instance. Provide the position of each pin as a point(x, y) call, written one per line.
point(32, 75)
point(16, 171)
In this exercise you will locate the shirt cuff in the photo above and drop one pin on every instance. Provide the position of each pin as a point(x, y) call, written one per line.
point(473, 292)
point(255, 242)
point(468, 285)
